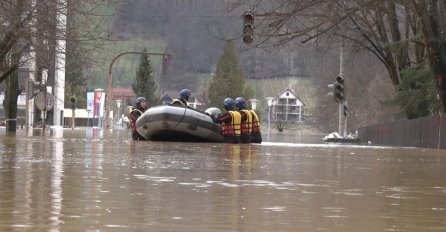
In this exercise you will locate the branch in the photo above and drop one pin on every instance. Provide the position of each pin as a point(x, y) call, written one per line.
point(8, 72)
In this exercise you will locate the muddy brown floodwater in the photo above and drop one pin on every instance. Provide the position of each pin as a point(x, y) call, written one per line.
point(90, 180)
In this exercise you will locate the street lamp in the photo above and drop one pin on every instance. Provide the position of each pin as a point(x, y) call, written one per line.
point(253, 103)
point(270, 103)
point(118, 104)
point(110, 80)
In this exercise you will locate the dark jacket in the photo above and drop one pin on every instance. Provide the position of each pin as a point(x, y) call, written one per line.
point(134, 115)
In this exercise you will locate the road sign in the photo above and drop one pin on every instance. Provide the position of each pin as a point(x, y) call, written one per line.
point(44, 101)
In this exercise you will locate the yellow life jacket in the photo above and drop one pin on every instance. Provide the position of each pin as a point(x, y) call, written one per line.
point(255, 122)
point(179, 101)
point(233, 128)
point(247, 124)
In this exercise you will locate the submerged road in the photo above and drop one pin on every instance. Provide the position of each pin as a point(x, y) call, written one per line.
point(85, 180)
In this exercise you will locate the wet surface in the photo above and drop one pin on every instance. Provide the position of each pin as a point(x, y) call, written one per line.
point(89, 180)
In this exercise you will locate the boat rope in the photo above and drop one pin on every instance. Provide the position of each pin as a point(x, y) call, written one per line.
point(182, 118)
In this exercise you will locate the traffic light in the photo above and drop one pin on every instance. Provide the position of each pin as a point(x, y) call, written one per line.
point(73, 102)
point(339, 89)
point(248, 27)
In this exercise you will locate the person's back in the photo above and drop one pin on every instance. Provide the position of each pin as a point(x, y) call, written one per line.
point(256, 135)
point(137, 111)
point(184, 97)
point(230, 122)
point(246, 120)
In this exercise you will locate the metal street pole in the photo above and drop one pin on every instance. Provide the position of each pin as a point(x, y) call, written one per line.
point(73, 116)
point(88, 117)
point(341, 73)
point(270, 102)
point(99, 111)
point(269, 120)
point(27, 97)
point(118, 104)
point(110, 81)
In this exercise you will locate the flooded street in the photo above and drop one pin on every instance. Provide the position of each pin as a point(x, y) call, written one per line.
point(89, 180)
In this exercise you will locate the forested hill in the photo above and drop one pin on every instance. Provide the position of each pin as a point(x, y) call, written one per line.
point(194, 32)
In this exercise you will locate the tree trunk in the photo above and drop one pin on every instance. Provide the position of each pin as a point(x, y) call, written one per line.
point(11, 94)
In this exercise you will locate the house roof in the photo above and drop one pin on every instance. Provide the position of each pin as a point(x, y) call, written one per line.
point(288, 89)
point(123, 93)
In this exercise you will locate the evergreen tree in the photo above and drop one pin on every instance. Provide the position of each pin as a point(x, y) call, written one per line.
point(144, 84)
point(416, 94)
point(229, 80)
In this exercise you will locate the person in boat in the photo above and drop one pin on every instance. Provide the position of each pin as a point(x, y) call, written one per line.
point(137, 111)
point(184, 97)
point(246, 123)
point(251, 123)
point(230, 122)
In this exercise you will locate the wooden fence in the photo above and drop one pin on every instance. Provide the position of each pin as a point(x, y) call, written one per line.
point(427, 132)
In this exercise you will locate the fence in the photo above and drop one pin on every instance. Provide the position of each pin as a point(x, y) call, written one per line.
point(427, 132)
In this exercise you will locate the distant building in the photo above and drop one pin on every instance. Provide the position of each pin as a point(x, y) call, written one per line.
point(125, 94)
point(21, 108)
point(287, 107)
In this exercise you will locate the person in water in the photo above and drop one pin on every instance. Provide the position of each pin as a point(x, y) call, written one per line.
point(137, 111)
point(251, 123)
point(230, 122)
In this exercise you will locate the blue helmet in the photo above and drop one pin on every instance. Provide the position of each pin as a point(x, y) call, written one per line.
point(185, 93)
point(240, 103)
point(229, 104)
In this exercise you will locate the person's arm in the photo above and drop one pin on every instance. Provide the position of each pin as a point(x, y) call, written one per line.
point(226, 117)
point(243, 115)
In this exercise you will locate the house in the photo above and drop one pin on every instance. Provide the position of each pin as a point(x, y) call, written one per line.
point(125, 94)
point(287, 106)
point(21, 108)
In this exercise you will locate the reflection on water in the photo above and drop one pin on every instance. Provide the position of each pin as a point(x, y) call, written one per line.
point(94, 180)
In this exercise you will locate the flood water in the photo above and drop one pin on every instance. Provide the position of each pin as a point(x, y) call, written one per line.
point(90, 180)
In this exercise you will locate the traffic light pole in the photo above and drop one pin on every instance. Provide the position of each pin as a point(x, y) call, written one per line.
point(340, 127)
point(341, 74)
point(345, 114)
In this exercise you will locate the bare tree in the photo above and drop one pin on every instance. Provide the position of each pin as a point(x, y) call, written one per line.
point(398, 33)
point(31, 27)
